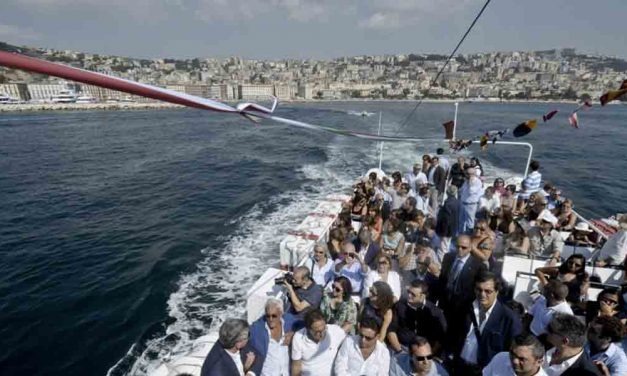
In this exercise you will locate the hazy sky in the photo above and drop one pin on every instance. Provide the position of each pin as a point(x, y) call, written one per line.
point(311, 28)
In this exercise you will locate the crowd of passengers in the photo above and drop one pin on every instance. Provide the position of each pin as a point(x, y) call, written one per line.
point(409, 284)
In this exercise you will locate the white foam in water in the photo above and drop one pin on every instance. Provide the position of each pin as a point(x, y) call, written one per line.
point(219, 286)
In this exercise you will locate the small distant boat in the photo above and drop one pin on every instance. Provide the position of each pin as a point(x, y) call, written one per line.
point(362, 113)
point(65, 96)
point(83, 99)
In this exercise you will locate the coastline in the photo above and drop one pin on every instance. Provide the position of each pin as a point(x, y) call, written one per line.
point(28, 107)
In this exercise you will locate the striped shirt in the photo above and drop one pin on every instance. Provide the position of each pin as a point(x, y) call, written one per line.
point(531, 184)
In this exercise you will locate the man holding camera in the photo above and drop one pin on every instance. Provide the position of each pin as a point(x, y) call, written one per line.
point(302, 292)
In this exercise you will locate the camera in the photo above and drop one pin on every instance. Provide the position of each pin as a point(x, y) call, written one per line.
point(286, 279)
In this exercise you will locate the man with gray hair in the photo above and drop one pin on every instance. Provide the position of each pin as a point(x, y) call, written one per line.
point(271, 336)
point(446, 226)
point(231, 354)
point(524, 358)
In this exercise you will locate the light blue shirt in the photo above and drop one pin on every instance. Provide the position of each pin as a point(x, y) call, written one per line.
point(354, 273)
point(471, 191)
point(614, 358)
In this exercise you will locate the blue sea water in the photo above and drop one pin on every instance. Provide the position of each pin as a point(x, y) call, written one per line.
point(125, 235)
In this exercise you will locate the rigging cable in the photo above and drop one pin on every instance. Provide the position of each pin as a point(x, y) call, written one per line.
point(404, 123)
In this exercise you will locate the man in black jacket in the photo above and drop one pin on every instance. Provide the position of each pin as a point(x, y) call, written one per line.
point(458, 172)
point(487, 328)
point(568, 334)
point(448, 220)
point(457, 281)
point(437, 183)
point(231, 354)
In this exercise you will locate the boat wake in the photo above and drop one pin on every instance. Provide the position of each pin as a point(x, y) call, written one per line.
point(218, 287)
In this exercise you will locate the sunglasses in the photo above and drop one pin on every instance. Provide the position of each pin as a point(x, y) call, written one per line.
point(422, 358)
point(337, 289)
point(462, 247)
point(366, 337)
point(609, 301)
point(273, 316)
point(373, 292)
point(351, 255)
point(383, 262)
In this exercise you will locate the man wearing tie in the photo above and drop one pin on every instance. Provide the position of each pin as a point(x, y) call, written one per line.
point(488, 327)
point(459, 270)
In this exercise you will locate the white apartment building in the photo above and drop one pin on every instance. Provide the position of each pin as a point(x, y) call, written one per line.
point(15, 91)
point(250, 91)
point(44, 92)
point(285, 91)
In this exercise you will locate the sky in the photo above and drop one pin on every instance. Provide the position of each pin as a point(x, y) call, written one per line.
point(318, 29)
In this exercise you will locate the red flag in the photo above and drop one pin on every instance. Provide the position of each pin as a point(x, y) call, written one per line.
point(448, 129)
point(548, 116)
point(573, 120)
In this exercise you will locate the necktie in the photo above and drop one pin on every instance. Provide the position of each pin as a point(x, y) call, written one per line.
point(482, 316)
point(455, 271)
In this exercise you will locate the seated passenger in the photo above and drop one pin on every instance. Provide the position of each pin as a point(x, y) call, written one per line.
point(337, 306)
point(555, 200)
point(566, 218)
point(232, 354)
point(499, 187)
point(366, 248)
point(320, 265)
point(378, 306)
point(303, 293)
point(426, 268)
point(334, 245)
point(573, 273)
point(544, 240)
point(363, 354)
point(359, 201)
point(414, 228)
point(414, 316)
point(552, 301)
point(374, 223)
point(422, 201)
point(582, 236)
point(315, 347)
point(517, 242)
point(351, 266)
point(615, 248)
point(271, 336)
point(408, 210)
point(482, 241)
point(392, 240)
point(383, 273)
point(421, 360)
point(603, 334)
point(607, 304)
point(489, 203)
point(508, 199)
point(535, 206)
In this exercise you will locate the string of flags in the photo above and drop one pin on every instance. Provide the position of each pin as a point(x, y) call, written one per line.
point(526, 127)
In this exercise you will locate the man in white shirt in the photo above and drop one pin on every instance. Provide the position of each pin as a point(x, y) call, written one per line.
point(314, 347)
point(320, 265)
point(553, 300)
point(270, 336)
point(489, 203)
point(615, 248)
point(469, 195)
point(416, 178)
point(524, 358)
point(444, 162)
point(362, 354)
point(567, 358)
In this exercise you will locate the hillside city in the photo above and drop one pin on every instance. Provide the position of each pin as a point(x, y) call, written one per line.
point(559, 74)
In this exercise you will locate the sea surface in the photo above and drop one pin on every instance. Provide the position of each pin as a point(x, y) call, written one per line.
point(126, 235)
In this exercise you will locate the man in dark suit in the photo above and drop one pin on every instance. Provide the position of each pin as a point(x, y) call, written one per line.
point(436, 176)
point(367, 248)
point(447, 221)
point(488, 327)
point(457, 278)
point(568, 334)
point(232, 355)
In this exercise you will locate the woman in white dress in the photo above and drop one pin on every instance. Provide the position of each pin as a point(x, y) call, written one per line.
point(383, 273)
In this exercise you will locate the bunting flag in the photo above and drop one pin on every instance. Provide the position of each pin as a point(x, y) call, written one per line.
point(548, 116)
point(458, 145)
point(483, 142)
point(573, 120)
point(448, 129)
point(612, 95)
point(525, 128)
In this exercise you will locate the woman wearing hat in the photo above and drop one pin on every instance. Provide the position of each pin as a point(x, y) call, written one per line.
point(581, 236)
point(615, 249)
